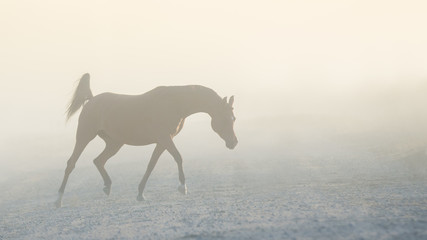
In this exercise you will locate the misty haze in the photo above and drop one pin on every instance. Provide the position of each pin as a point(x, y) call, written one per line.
point(327, 100)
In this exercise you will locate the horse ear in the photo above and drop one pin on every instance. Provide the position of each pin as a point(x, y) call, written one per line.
point(224, 100)
point(231, 101)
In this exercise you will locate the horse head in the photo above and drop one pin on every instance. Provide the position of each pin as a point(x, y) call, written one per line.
point(223, 122)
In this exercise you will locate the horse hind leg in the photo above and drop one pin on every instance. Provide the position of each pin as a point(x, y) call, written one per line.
point(111, 148)
point(82, 140)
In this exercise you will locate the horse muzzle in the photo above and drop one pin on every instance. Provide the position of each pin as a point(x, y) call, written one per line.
point(232, 144)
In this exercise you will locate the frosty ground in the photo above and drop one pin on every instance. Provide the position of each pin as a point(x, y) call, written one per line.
point(281, 199)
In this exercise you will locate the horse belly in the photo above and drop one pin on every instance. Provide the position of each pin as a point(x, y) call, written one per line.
point(139, 136)
point(131, 134)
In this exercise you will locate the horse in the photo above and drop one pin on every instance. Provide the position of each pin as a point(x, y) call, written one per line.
point(154, 117)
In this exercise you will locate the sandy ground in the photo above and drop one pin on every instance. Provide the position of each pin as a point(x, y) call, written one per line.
point(227, 200)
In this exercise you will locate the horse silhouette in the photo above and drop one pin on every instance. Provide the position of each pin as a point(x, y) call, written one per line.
point(154, 117)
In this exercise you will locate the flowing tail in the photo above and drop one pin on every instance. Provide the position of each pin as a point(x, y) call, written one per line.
point(81, 95)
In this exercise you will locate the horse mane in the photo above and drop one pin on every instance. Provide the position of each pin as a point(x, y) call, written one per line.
point(80, 96)
point(205, 91)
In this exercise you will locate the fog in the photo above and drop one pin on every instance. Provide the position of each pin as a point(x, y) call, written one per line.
point(330, 106)
point(311, 79)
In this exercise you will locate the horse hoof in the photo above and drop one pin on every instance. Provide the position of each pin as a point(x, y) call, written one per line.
point(140, 198)
point(107, 190)
point(183, 189)
point(58, 203)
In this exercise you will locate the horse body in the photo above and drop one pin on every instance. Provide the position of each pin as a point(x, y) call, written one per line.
point(153, 117)
point(141, 119)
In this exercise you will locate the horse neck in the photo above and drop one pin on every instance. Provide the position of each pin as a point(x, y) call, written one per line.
point(204, 100)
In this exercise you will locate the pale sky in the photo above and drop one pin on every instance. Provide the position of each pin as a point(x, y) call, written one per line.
point(276, 57)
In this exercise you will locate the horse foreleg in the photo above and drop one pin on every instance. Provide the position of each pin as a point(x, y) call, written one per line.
point(153, 161)
point(110, 150)
point(170, 146)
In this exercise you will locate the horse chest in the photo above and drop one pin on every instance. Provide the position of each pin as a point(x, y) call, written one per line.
point(178, 127)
